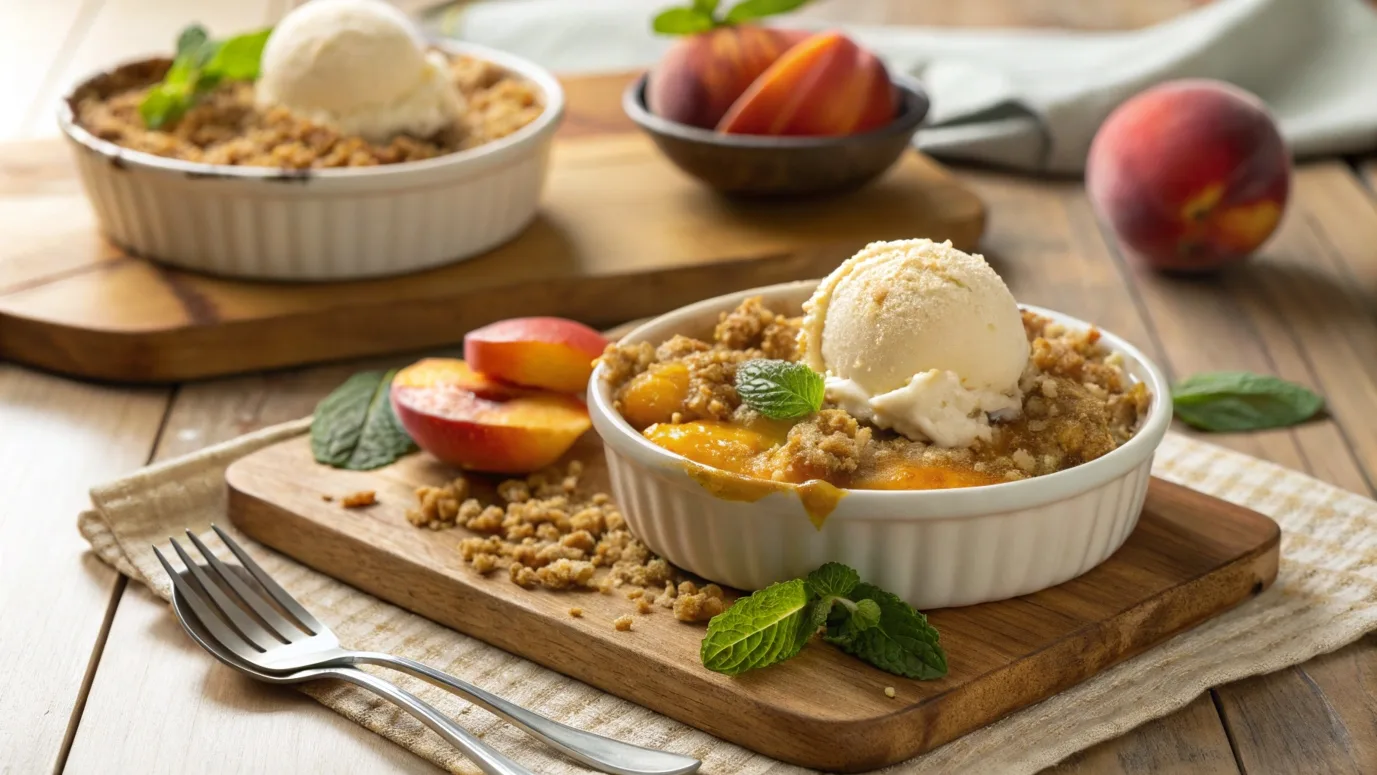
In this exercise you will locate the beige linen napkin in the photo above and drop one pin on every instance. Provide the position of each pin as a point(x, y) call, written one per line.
point(1325, 597)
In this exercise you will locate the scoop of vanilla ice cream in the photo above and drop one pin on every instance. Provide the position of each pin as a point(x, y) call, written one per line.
point(918, 337)
point(360, 66)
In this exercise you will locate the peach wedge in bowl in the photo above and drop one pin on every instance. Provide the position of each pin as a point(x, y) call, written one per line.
point(903, 416)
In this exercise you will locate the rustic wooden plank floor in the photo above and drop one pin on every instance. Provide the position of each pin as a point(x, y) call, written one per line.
point(99, 678)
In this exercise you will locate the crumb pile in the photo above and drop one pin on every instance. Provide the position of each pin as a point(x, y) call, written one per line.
point(547, 533)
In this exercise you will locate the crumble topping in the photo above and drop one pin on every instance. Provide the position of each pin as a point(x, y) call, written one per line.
point(227, 128)
point(1078, 405)
point(357, 500)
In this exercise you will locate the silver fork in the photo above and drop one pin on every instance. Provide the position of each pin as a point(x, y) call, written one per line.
point(487, 758)
point(270, 642)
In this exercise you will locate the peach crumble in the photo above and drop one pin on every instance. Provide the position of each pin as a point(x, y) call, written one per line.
point(358, 500)
point(226, 127)
point(1077, 405)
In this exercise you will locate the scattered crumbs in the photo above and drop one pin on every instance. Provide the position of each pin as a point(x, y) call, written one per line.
point(327, 498)
point(644, 606)
point(692, 604)
point(622, 623)
point(889, 692)
point(635, 593)
point(356, 500)
point(576, 612)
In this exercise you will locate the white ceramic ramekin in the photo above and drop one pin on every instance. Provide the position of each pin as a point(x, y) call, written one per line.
point(327, 224)
point(934, 548)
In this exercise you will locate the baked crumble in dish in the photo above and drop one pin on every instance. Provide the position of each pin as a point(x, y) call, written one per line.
point(227, 127)
point(1077, 405)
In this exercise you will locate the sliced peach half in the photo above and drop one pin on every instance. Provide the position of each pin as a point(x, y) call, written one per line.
point(501, 430)
point(550, 353)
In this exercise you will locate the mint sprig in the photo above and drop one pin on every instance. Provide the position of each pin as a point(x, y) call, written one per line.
point(1223, 401)
point(201, 64)
point(774, 624)
point(702, 15)
point(355, 428)
point(780, 390)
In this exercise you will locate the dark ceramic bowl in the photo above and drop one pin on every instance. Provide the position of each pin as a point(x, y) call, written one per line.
point(759, 165)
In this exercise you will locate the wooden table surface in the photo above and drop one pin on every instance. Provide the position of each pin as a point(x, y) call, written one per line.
point(97, 676)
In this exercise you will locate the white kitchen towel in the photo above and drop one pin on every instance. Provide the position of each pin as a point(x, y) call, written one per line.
point(1029, 100)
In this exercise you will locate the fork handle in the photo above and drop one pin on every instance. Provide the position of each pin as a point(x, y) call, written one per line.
point(488, 759)
point(601, 753)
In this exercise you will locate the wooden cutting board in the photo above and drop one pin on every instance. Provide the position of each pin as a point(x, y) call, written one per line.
point(1191, 557)
point(622, 234)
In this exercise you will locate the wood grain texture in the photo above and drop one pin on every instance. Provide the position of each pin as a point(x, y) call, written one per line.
point(621, 234)
point(57, 438)
point(1192, 556)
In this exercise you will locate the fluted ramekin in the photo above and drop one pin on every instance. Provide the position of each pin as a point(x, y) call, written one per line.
point(934, 548)
point(326, 224)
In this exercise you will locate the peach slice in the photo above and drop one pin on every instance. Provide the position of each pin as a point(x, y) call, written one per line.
point(505, 430)
point(824, 86)
point(550, 353)
point(700, 76)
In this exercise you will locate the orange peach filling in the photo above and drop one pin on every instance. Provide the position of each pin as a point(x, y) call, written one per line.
point(751, 452)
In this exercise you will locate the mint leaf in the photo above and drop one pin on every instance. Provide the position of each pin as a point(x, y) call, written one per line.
point(706, 7)
point(201, 65)
point(355, 427)
point(901, 642)
point(767, 627)
point(682, 21)
point(190, 41)
point(748, 10)
point(238, 58)
point(1241, 401)
point(780, 390)
point(834, 579)
point(865, 615)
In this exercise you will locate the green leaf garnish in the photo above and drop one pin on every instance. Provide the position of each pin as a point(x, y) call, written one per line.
point(701, 15)
point(682, 21)
point(769, 626)
point(750, 10)
point(774, 624)
point(355, 427)
point(901, 642)
point(834, 579)
point(1223, 401)
point(780, 390)
point(201, 65)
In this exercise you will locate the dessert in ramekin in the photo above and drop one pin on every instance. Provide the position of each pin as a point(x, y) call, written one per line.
point(316, 184)
point(1031, 498)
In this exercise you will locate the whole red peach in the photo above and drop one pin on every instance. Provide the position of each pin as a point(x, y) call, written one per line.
point(701, 75)
point(1192, 175)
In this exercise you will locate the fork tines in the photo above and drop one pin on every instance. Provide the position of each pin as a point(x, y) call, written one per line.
point(247, 621)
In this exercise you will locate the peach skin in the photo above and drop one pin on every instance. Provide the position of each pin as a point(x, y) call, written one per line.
point(824, 86)
point(702, 75)
point(516, 435)
point(1191, 175)
point(550, 353)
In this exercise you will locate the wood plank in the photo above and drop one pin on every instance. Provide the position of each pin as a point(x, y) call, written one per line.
point(1192, 556)
point(1188, 742)
point(1296, 311)
point(206, 712)
point(67, 302)
point(58, 439)
point(127, 29)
